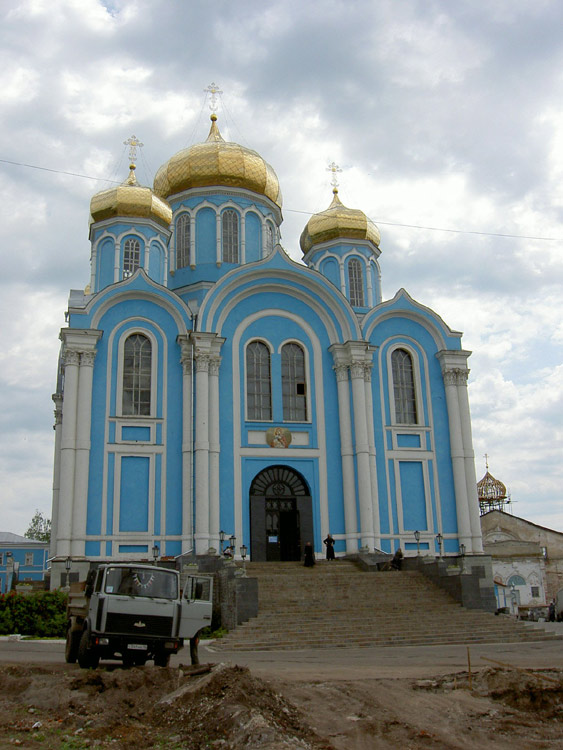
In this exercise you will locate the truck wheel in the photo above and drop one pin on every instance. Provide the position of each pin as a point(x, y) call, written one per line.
point(161, 659)
point(72, 644)
point(88, 658)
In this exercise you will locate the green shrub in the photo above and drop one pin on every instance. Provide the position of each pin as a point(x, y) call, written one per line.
point(42, 614)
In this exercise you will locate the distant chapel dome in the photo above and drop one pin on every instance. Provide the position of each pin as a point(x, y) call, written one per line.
point(217, 162)
point(130, 199)
point(338, 222)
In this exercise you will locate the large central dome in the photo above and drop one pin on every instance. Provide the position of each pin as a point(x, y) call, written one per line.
point(217, 162)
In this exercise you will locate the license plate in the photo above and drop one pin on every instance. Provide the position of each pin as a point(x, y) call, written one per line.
point(137, 646)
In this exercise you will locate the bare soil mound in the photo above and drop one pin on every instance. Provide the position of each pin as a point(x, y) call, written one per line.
point(227, 707)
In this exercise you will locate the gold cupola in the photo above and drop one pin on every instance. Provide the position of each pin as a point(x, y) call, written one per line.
point(131, 200)
point(338, 222)
point(217, 162)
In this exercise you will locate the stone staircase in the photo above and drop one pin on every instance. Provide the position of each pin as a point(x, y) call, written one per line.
point(337, 605)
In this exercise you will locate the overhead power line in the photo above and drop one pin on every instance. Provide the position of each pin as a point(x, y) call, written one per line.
point(310, 213)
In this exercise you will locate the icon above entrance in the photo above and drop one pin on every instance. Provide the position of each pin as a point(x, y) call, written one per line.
point(281, 515)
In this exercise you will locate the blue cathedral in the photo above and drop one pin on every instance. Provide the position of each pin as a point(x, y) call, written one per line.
point(209, 385)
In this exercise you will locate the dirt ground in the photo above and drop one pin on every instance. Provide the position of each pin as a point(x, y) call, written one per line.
point(225, 706)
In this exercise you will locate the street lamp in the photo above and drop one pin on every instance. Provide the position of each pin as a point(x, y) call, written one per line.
point(232, 544)
point(155, 553)
point(243, 551)
point(417, 537)
point(68, 566)
point(513, 596)
point(222, 536)
point(439, 539)
point(462, 553)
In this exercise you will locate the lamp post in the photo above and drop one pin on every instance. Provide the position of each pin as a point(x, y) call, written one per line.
point(232, 544)
point(243, 551)
point(222, 536)
point(417, 537)
point(68, 566)
point(462, 553)
point(155, 553)
point(439, 539)
point(513, 597)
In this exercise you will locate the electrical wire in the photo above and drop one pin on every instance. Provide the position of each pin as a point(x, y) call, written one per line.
point(311, 213)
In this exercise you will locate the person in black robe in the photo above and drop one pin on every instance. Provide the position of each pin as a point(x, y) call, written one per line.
point(329, 542)
point(309, 555)
point(397, 561)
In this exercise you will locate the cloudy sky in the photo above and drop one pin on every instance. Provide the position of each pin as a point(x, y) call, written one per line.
point(445, 117)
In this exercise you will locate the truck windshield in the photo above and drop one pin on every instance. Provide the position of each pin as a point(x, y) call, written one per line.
point(137, 581)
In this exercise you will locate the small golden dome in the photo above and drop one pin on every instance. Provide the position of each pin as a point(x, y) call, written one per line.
point(130, 199)
point(490, 488)
point(338, 222)
point(217, 162)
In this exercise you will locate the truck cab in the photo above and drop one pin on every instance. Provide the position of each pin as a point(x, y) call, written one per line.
point(136, 613)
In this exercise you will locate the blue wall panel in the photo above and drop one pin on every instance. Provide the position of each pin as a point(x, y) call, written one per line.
point(134, 494)
point(412, 493)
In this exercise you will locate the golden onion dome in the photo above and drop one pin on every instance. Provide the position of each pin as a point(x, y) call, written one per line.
point(217, 162)
point(130, 199)
point(490, 488)
point(338, 222)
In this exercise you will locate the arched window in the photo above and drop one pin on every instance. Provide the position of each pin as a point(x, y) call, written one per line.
point(403, 387)
point(131, 257)
point(229, 219)
point(294, 391)
point(258, 382)
point(269, 239)
point(137, 362)
point(356, 283)
point(183, 241)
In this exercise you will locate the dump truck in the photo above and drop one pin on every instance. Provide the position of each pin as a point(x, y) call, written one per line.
point(135, 613)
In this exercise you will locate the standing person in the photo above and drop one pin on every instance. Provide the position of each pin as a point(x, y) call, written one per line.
point(309, 555)
point(552, 611)
point(329, 542)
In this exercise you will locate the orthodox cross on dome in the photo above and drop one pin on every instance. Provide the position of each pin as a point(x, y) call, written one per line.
point(334, 168)
point(134, 143)
point(486, 461)
point(213, 90)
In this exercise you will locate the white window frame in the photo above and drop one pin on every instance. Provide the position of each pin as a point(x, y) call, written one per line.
point(181, 242)
point(419, 405)
point(119, 375)
point(270, 351)
point(136, 262)
point(230, 244)
point(356, 284)
point(305, 379)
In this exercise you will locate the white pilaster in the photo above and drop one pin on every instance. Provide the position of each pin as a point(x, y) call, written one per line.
point(82, 458)
point(451, 375)
point(218, 253)
point(71, 360)
point(372, 458)
point(346, 448)
point(469, 459)
point(214, 451)
point(192, 242)
point(58, 400)
point(357, 371)
point(243, 239)
point(187, 443)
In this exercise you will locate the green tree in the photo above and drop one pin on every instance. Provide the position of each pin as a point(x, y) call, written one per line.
point(39, 528)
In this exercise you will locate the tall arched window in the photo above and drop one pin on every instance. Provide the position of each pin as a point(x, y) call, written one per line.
point(356, 283)
point(403, 387)
point(131, 257)
point(258, 382)
point(183, 241)
point(229, 221)
point(294, 391)
point(137, 363)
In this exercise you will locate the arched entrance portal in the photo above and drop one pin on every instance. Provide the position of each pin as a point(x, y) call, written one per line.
point(281, 515)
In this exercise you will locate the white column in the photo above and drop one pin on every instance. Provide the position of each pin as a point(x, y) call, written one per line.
point(58, 399)
point(342, 277)
point(372, 458)
point(346, 449)
point(71, 361)
point(202, 454)
point(116, 264)
point(192, 242)
point(369, 282)
point(243, 239)
point(357, 370)
point(214, 451)
point(82, 457)
point(218, 253)
point(469, 459)
point(187, 443)
point(458, 461)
